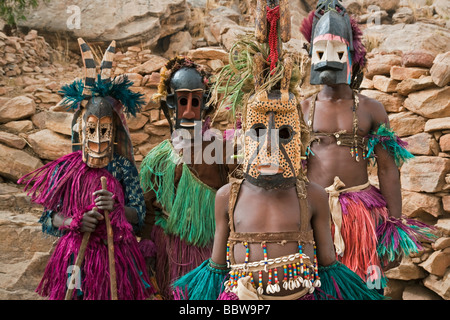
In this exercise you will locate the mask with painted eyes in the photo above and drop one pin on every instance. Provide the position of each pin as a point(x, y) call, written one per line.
point(331, 45)
point(188, 100)
point(272, 157)
point(97, 133)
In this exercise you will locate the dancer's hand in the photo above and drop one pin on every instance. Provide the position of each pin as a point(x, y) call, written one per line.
point(90, 220)
point(104, 200)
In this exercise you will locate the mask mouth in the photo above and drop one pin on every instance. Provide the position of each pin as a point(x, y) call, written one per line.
point(329, 65)
point(276, 181)
point(269, 169)
point(98, 148)
point(187, 123)
point(94, 162)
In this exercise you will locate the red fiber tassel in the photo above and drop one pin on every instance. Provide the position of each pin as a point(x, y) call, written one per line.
point(273, 15)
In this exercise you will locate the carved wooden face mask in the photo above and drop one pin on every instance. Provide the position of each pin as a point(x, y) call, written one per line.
point(272, 141)
point(330, 61)
point(188, 99)
point(331, 49)
point(97, 133)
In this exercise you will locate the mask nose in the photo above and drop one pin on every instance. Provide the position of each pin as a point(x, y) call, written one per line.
point(188, 113)
point(96, 144)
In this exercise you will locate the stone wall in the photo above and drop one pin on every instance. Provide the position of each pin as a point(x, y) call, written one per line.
point(413, 86)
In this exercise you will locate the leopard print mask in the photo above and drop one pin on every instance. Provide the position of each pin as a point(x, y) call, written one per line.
point(272, 157)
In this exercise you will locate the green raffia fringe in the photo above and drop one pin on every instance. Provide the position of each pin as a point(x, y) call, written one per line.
point(390, 142)
point(160, 219)
point(190, 205)
point(398, 238)
point(339, 282)
point(203, 283)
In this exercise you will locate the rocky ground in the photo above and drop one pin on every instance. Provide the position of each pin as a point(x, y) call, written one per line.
point(408, 71)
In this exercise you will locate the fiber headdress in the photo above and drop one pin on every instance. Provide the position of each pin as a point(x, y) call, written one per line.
point(258, 67)
point(116, 91)
point(257, 61)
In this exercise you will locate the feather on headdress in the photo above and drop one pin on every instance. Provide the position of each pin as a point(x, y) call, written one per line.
point(117, 91)
point(94, 84)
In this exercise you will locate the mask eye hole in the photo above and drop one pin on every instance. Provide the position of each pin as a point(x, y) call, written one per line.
point(195, 102)
point(104, 130)
point(183, 102)
point(340, 54)
point(285, 134)
point(320, 54)
point(260, 130)
point(91, 130)
point(257, 130)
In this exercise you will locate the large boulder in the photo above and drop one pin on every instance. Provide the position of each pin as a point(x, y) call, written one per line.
point(440, 71)
point(408, 37)
point(422, 144)
point(387, 5)
point(25, 253)
point(440, 285)
point(431, 103)
point(17, 108)
point(419, 204)
point(126, 21)
point(424, 174)
point(381, 64)
point(16, 163)
point(407, 123)
point(60, 146)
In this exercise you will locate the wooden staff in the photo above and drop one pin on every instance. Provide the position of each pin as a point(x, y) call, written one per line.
point(111, 259)
point(78, 262)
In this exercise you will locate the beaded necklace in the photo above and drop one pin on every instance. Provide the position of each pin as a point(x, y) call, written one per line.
point(298, 269)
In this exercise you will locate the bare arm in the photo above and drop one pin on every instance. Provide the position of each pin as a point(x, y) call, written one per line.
point(389, 178)
point(150, 216)
point(222, 231)
point(388, 173)
point(320, 221)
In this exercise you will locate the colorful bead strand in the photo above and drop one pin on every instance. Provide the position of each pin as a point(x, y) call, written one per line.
point(247, 254)
point(277, 284)
point(228, 254)
point(269, 288)
point(300, 251)
point(252, 281)
point(317, 282)
point(260, 289)
point(285, 278)
point(264, 246)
